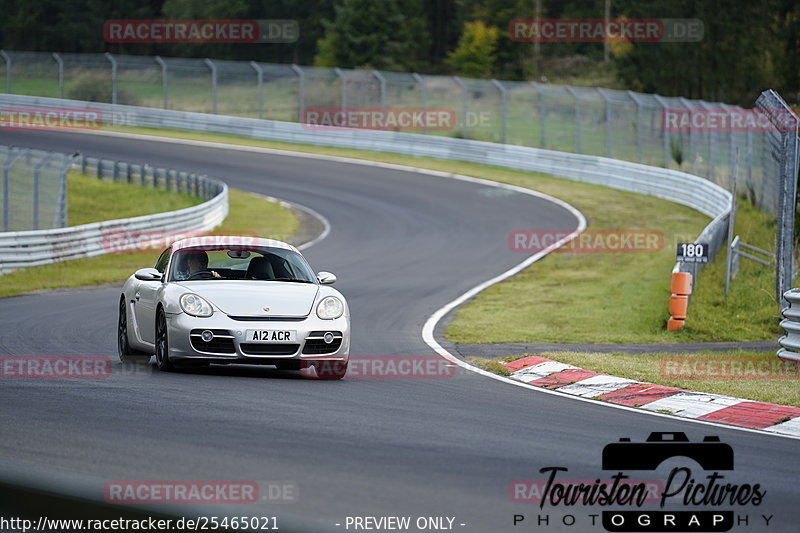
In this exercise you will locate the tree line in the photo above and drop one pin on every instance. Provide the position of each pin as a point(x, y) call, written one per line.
point(746, 48)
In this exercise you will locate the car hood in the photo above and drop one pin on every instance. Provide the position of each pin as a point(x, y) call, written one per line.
point(249, 298)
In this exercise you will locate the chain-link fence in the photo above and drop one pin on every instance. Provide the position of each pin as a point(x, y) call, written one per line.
point(780, 167)
point(611, 123)
point(694, 136)
point(33, 189)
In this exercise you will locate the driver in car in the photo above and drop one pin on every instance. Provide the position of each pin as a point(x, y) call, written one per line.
point(193, 263)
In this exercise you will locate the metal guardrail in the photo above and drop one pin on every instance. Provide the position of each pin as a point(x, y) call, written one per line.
point(679, 187)
point(790, 343)
point(33, 248)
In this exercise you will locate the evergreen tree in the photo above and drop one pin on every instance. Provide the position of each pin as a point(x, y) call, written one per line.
point(389, 35)
point(475, 53)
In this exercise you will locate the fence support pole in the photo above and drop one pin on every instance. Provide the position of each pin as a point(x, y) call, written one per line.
point(749, 148)
point(164, 80)
point(301, 94)
point(12, 156)
point(260, 74)
point(423, 95)
point(731, 223)
point(607, 102)
point(692, 136)
point(712, 144)
point(9, 64)
point(343, 96)
point(381, 87)
point(37, 170)
point(734, 155)
point(639, 142)
point(113, 62)
point(664, 132)
point(213, 69)
point(463, 87)
point(574, 94)
point(542, 115)
point(503, 107)
point(60, 63)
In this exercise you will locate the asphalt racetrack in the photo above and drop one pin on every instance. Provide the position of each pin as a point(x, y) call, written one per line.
point(402, 244)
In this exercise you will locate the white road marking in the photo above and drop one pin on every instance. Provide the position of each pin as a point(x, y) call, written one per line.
point(597, 385)
point(542, 370)
point(692, 404)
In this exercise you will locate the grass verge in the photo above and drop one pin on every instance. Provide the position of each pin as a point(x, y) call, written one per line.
point(597, 297)
point(686, 371)
point(248, 214)
point(92, 200)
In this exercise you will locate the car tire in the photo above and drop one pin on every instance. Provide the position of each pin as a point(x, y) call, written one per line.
point(162, 343)
point(126, 353)
point(330, 369)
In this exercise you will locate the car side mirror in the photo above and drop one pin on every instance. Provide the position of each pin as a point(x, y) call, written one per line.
point(326, 278)
point(148, 274)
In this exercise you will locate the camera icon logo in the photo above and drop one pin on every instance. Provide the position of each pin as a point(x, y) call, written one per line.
point(710, 454)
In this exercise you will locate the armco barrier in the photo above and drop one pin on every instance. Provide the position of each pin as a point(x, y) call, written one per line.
point(40, 247)
point(790, 343)
point(679, 187)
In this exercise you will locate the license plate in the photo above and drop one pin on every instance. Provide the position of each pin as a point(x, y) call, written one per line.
point(270, 336)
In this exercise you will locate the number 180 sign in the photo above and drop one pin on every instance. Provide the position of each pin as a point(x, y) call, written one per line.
point(691, 252)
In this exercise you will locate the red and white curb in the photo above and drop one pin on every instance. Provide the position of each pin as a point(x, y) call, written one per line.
point(542, 372)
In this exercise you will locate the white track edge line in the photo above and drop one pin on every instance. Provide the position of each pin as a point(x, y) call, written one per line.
point(430, 324)
point(326, 225)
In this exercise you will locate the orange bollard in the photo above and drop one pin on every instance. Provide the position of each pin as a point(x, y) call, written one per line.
point(681, 288)
point(678, 303)
point(681, 283)
point(673, 324)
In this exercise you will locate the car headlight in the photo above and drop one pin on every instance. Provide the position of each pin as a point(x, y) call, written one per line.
point(193, 305)
point(330, 307)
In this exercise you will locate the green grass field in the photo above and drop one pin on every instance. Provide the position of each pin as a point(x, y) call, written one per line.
point(656, 368)
point(607, 297)
point(91, 200)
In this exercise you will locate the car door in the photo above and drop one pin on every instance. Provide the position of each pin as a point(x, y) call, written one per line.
point(146, 298)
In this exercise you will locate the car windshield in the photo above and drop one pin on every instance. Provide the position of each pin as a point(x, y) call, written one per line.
point(240, 263)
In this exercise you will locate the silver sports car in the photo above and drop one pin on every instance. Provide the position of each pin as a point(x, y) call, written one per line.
point(234, 300)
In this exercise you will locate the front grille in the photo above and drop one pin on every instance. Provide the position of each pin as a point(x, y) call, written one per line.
point(267, 318)
point(253, 348)
point(316, 345)
point(221, 343)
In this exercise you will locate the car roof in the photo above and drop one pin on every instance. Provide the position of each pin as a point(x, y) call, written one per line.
point(230, 240)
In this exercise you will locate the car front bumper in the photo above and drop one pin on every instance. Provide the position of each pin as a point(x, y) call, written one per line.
point(229, 344)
